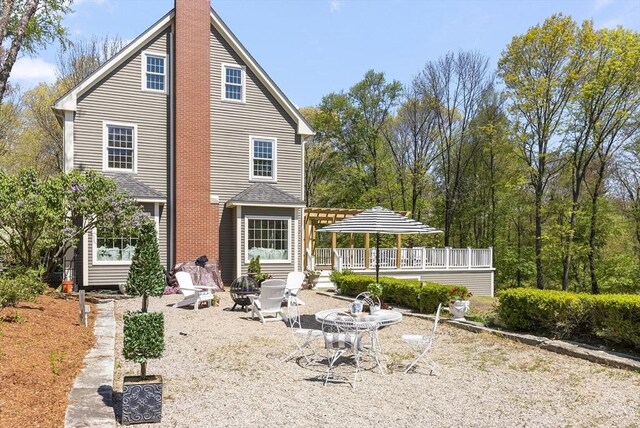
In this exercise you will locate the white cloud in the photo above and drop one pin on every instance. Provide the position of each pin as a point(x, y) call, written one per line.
point(335, 5)
point(601, 4)
point(29, 72)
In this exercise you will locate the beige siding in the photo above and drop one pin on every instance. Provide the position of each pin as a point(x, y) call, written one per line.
point(480, 283)
point(119, 98)
point(232, 124)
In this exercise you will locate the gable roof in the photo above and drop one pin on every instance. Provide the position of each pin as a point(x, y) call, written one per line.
point(263, 194)
point(136, 189)
point(69, 101)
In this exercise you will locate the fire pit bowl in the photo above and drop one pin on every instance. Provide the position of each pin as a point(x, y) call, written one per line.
point(241, 288)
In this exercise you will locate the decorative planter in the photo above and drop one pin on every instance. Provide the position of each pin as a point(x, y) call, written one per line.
point(459, 309)
point(312, 281)
point(141, 400)
point(67, 285)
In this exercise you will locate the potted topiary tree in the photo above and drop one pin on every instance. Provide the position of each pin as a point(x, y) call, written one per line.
point(144, 331)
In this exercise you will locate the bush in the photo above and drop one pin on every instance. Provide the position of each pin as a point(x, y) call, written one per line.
point(420, 296)
point(20, 286)
point(143, 336)
point(614, 318)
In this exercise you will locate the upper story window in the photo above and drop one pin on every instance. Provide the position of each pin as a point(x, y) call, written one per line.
point(154, 76)
point(233, 87)
point(119, 147)
point(263, 159)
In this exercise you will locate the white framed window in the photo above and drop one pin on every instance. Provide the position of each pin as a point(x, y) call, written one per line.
point(119, 147)
point(263, 156)
point(114, 249)
point(233, 83)
point(268, 237)
point(154, 72)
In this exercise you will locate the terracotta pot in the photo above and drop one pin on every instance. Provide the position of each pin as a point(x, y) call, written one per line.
point(67, 285)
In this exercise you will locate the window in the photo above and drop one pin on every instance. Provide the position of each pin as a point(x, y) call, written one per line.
point(268, 238)
point(110, 248)
point(119, 147)
point(154, 72)
point(263, 159)
point(233, 88)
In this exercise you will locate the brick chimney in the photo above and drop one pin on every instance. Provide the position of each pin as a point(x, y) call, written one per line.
point(196, 218)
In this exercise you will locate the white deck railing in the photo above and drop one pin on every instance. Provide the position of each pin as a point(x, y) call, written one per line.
point(411, 258)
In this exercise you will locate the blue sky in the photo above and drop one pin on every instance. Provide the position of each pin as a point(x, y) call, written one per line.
point(313, 47)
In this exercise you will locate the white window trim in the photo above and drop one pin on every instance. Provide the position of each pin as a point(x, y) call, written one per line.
point(145, 54)
point(223, 81)
point(247, 259)
point(105, 151)
point(94, 243)
point(274, 169)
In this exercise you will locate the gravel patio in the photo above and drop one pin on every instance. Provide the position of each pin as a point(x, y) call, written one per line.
point(221, 368)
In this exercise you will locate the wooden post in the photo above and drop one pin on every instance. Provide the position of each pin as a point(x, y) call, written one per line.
point(398, 251)
point(367, 252)
point(83, 309)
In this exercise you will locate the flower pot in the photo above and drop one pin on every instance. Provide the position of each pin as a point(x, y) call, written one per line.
point(141, 400)
point(312, 281)
point(67, 285)
point(459, 309)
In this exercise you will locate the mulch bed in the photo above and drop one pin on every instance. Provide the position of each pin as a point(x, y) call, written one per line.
point(41, 352)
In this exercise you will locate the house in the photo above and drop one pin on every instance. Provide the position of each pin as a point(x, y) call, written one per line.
point(186, 121)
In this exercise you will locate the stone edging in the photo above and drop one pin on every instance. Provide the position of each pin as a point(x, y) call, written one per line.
point(573, 349)
point(90, 399)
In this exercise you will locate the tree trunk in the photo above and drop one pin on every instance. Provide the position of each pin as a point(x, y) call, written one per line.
point(538, 244)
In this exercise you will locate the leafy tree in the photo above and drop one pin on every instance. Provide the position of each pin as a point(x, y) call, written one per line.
point(28, 25)
point(541, 71)
point(40, 219)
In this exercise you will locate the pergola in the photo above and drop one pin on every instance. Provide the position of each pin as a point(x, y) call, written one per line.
point(319, 217)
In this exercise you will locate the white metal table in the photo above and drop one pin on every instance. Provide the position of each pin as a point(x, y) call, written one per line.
point(365, 321)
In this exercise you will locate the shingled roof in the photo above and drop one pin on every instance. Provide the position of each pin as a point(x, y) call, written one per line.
point(265, 194)
point(135, 188)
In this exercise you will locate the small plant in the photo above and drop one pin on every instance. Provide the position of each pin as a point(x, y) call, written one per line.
point(459, 293)
point(311, 272)
point(55, 358)
point(261, 277)
point(375, 289)
point(254, 265)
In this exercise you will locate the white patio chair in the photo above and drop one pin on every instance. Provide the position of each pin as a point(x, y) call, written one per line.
point(192, 295)
point(293, 287)
point(269, 302)
point(302, 337)
point(341, 335)
point(421, 344)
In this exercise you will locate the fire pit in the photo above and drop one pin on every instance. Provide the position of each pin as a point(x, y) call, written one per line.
point(241, 288)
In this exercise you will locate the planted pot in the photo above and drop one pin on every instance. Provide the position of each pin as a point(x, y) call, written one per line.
point(312, 281)
point(459, 308)
point(67, 285)
point(141, 400)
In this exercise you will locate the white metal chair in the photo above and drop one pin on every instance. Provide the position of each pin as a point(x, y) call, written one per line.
point(269, 302)
point(293, 287)
point(421, 344)
point(192, 295)
point(368, 299)
point(341, 335)
point(302, 337)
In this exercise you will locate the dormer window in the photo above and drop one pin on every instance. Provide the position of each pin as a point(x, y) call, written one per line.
point(154, 72)
point(233, 78)
point(263, 159)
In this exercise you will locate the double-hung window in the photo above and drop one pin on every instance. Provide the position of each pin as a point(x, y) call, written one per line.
point(119, 147)
point(268, 238)
point(263, 159)
point(154, 76)
point(233, 88)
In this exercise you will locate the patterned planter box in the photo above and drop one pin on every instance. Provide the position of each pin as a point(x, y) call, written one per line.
point(141, 400)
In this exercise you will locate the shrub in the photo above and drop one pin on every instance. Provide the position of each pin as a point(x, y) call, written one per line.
point(254, 265)
point(20, 286)
point(143, 336)
point(421, 296)
point(614, 318)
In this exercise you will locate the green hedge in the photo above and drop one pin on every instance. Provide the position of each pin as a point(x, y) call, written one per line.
point(24, 286)
point(420, 296)
point(614, 318)
point(143, 336)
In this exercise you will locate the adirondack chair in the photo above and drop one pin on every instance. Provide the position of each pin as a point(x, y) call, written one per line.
point(294, 285)
point(269, 302)
point(192, 295)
